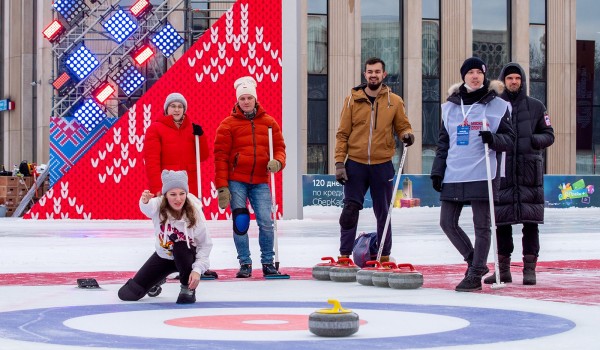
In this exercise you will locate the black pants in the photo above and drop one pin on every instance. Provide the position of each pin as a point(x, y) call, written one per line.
point(449, 215)
point(378, 179)
point(157, 268)
point(530, 240)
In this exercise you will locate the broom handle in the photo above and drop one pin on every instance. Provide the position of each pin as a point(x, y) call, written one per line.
point(389, 214)
point(273, 201)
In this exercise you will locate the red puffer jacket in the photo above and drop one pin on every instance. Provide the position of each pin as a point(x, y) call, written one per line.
point(168, 147)
point(242, 148)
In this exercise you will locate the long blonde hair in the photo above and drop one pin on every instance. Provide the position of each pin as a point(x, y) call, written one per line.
point(187, 209)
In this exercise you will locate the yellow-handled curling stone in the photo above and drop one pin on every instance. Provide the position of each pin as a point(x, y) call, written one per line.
point(334, 322)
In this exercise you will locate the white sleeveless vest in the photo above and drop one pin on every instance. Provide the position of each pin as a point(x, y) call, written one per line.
point(466, 163)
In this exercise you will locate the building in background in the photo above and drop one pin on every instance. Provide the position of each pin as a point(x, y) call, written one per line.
point(423, 42)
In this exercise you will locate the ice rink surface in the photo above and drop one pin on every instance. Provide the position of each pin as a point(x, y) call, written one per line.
point(41, 307)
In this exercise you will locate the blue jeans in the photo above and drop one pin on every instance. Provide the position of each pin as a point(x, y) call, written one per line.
point(260, 200)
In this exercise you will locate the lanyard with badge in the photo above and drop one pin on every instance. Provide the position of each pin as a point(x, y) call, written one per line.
point(463, 129)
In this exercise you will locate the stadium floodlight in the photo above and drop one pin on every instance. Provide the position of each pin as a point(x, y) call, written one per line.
point(89, 115)
point(143, 54)
point(128, 78)
point(103, 92)
point(140, 8)
point(53, 30)
point(81, 62)
point(120, 26)
point(62, 81)
point(167, 40)
point(70, 10)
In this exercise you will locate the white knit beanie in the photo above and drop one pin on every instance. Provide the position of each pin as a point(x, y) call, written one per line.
point(245, 86)
point(175, 97)
point(174, 179)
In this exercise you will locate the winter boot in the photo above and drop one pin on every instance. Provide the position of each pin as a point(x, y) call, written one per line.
point(504, 266)
point(186, 295)
point(385, 258)
point(469, 261)
point(472, 281)
point(529, 262)
point(156, 289)
point(269, 270)
point(245, 271)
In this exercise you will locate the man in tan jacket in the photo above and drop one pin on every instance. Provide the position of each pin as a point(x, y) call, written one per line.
point(364, 148)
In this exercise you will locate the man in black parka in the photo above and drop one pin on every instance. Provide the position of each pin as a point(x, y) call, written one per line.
point(521, 195)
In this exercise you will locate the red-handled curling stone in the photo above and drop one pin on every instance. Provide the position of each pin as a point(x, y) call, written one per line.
point(321, 271)
point(344, 271)
point(405, 277)
point(380, 278)
point(364, 276)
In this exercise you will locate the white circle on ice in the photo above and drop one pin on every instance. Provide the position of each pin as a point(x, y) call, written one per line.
point(151, 324)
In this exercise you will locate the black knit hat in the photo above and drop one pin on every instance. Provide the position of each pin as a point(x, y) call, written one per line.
point(511, 70)
point(472, 63)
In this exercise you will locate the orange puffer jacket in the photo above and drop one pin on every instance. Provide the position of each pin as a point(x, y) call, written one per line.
point(168, 147)
point(242, 148)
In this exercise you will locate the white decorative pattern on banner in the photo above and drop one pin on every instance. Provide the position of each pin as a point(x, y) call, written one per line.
point(259, 68)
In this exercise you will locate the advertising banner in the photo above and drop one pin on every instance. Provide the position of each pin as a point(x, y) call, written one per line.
point(560, 191)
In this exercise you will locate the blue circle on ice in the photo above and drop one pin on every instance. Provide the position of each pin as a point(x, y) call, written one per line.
point(486, 326)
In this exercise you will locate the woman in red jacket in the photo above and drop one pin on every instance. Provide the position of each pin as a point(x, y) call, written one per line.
point(242, 166)
point(170, 144)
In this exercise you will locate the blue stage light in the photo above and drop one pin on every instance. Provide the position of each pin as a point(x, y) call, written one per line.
point(167, 40)
point(128, 78)
point(89, 115)
point(120, 26)
point(81, 62)
point(70, 9)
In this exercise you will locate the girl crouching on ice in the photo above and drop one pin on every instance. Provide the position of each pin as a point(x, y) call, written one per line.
point(182, 242)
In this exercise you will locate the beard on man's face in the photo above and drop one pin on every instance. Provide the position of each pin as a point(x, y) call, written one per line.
point(374, 86)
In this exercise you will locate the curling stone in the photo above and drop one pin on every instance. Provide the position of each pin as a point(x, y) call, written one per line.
point(334, 322)
point(321, 271)
point(405, 279)
point(344, 271)
point(380, 278)
point(364, 275)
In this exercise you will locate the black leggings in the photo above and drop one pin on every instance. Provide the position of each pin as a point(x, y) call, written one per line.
point(157, 268)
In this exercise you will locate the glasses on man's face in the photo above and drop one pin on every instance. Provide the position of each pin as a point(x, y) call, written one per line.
point(176, 106)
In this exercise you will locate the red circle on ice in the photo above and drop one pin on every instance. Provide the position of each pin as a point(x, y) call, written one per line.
point(258, 322)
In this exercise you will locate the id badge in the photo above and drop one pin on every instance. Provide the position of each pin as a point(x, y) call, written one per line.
point(462, 135)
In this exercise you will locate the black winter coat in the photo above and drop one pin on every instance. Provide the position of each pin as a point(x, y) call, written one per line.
point(521, 194)
point(503, 140)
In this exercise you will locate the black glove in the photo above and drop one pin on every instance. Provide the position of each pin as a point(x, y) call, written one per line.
point(436, 183)
point(487, 137)
point(197, 129)
point(340, 173)
point(408, 139)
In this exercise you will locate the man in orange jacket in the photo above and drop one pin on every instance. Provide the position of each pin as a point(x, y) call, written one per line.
point(242, 166)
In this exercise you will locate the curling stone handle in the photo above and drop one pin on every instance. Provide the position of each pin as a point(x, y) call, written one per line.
point(328, 258)
point(337, 306)
point(374, 263)
point(346, 260)
point(406, 265)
